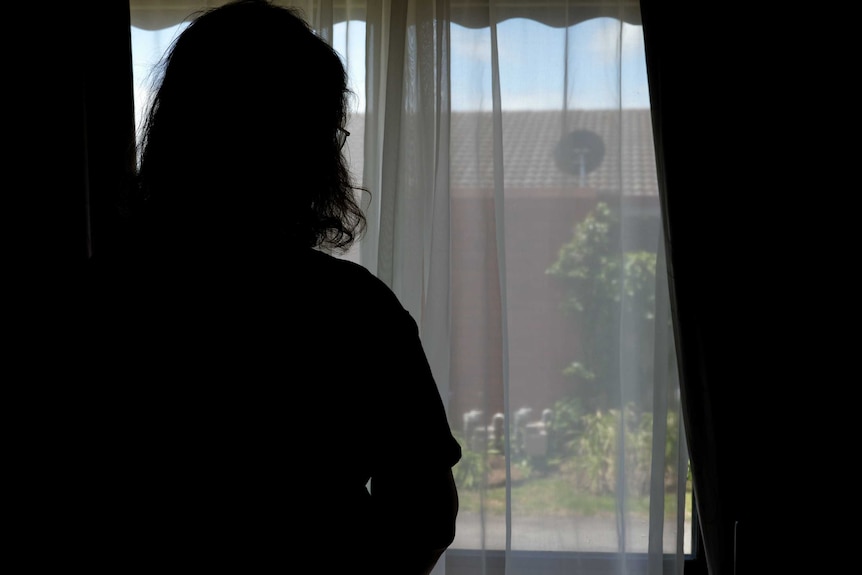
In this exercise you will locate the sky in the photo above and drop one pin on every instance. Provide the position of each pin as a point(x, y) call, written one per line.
point(536, 70)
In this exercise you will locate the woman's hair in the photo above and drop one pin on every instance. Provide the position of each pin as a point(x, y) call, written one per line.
point(241, 144)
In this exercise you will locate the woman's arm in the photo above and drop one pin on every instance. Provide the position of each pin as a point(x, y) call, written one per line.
point(415, 512)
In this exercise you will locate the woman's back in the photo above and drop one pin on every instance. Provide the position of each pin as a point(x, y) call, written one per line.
point(238, 415)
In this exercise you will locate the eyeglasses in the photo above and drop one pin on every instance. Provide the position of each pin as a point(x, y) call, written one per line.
point(341, 137)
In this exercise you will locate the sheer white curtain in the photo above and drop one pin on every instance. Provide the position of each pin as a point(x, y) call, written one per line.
point(514, 209)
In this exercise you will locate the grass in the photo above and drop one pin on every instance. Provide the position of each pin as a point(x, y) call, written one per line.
point(554, 493)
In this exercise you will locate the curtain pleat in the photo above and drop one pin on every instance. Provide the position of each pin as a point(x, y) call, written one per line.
point(390, 123)
point(375, 103)
point(436, 311)
point(498, 183)
point(664, 404)
point(408, 244)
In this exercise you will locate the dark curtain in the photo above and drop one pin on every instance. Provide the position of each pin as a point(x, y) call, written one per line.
point(72, 132)
point(732, 119)
point(696, 207)
point(68, 129)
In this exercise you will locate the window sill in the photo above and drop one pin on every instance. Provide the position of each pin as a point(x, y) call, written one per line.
point(476, 562)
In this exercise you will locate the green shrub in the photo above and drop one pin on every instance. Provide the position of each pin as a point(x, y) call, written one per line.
point(472, 470)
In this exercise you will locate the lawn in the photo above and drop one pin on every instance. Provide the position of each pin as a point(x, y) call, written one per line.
point(550, 493)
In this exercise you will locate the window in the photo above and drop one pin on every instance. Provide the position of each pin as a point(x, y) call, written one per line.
point(558, 336)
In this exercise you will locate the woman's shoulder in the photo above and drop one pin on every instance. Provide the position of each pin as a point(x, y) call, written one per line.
point(329, 263)
point(348, 277)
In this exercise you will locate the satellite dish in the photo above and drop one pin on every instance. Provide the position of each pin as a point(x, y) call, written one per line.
point(579, 153)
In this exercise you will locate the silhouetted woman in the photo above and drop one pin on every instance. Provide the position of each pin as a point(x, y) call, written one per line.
point(278, 379)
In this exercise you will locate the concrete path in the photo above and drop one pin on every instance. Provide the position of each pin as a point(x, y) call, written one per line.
point(557, 534)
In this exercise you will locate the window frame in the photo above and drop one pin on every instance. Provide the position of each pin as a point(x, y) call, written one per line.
point(493, 562)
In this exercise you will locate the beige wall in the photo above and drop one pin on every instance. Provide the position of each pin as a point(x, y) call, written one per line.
point(541, 337)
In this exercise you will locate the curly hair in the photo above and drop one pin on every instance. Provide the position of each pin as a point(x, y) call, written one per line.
point(241, 143)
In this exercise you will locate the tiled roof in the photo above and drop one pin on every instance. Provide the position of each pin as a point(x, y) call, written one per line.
point(530, 139)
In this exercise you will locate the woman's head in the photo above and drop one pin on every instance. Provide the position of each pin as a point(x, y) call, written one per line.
point(240, 147)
